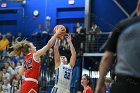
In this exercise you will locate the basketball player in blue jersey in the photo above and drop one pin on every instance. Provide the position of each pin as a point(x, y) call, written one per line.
point(63, 69)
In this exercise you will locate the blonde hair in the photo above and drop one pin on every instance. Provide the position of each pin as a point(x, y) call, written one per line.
point(20, 47)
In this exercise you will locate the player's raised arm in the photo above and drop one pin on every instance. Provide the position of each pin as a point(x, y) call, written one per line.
point(48, 45)
point(56, 53)
point(73, 52)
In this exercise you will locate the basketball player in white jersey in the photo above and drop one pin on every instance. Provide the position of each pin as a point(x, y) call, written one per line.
point(63, 68)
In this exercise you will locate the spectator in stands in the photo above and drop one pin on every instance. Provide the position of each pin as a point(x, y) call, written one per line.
point(47, 30)
point(124, 42)
point(50, 54)
point(13, 40)
point(19, 59)
point(87, 84)
point(94, 28)
point(79, 37)
point(6, 86)
point(77, 28)
point(108, 85)
point(32, 62)
point(37, 36)
point(8, 36)
point(9, 68)
point(50, 65)
point(10, 71)
point(63, 44)
point(38, 30)
point(45, 34)
point(47, 67)
point(17, 68)
point(15, 85)
point(4, 44)
point(5, 75)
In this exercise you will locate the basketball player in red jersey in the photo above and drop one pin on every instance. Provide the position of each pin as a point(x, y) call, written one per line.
point(31, 64)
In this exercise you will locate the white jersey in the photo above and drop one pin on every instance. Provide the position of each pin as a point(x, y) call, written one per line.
point(63, 76)
point(6, 88)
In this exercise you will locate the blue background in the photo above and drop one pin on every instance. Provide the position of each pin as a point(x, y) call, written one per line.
point(105, 13)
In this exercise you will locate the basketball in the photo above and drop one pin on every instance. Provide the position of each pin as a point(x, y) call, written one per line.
point(63, 30)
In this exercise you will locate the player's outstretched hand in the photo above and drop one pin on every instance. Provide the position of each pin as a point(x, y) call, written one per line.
point(59, 30)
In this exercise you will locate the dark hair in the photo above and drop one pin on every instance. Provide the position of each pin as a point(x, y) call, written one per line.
point(90, 81)
point(65, 52)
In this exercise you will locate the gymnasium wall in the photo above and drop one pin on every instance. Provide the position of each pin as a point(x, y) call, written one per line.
point(104, 13)
point(107, 14)
point(11, 18)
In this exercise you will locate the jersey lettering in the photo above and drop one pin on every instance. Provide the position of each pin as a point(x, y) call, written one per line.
point(67, 74)
point(29, 64)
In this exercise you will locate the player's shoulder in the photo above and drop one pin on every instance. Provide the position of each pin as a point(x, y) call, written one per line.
point(58, 65)
point(130, 20)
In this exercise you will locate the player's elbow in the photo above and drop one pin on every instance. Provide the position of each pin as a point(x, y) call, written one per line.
point(74, 54)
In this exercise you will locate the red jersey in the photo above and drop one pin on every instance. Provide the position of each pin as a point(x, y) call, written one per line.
point(32, 67)
point(88, 90)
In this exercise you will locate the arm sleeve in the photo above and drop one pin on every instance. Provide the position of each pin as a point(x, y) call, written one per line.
point(112, 42)
point(118, 29)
